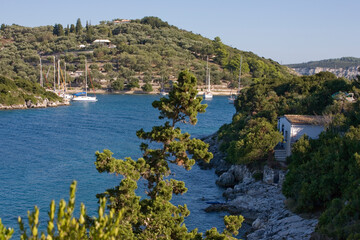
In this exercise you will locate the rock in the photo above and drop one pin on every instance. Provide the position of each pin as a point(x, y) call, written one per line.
point(347, 72)
point(226, 179)
point(28, 103)
point(273, 176)
point(218, 161)
point(257, 224)
point(241, 173)
point(260, 202)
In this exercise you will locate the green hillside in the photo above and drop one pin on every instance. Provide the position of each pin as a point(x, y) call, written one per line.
point(343, 62)
point(141, 51)
point(19, 91)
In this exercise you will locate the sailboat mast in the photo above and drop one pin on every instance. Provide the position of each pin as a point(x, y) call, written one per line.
point(65, 78)
point(85, 77)
point(240, 72)
point(207, 73)
point(59, 73)
point(41, 76)
point(54, 74)
point(209, 81)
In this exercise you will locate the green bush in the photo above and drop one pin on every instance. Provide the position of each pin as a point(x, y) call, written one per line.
point(147, 87)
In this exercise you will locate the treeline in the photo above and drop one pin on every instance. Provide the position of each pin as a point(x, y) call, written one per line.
point(144, 50)
point(344, 62)
point(324, 174)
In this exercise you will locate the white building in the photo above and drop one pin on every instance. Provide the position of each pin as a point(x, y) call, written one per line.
point(293, 127)
point(104, 42)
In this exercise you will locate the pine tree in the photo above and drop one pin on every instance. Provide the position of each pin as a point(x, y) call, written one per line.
point(155, 217)
point(78, 27)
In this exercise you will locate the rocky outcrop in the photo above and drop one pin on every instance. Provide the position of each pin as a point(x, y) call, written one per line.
point(218, 162)
point(349, 72)
point(236, 174)
point(40, 104)
point(261, 203)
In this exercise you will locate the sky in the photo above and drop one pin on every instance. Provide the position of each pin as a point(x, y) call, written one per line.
point(287, 31)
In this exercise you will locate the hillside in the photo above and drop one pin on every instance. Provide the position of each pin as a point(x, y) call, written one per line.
point(20, 93)
point(135, 53)
point(347, 67)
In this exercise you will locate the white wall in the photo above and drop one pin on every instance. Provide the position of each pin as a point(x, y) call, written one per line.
point(312, 131)
point(294, 132)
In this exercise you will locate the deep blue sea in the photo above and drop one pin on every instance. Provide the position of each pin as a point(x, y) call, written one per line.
point(43, 150)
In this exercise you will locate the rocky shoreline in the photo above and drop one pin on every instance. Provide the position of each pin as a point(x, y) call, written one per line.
point(260, 201)
point(41, 104)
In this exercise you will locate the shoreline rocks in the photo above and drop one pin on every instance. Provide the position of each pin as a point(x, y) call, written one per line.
point(41, 104)
point(260, 202)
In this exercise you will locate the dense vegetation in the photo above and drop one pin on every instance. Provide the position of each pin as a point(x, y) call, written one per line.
point(19, 91)
point(144, 51)
point(324, 174)
point(130, 216)
point(252, 135)
point(343, 62)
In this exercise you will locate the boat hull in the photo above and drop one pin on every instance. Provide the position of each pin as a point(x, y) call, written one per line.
point(208, 96)
point(85, 99)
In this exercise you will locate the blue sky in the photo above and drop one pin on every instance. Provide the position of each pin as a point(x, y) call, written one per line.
point(287, 31)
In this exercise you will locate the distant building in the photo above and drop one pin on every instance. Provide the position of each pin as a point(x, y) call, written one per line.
point(104, 42)
point(76, 74)
point(82, 46)
point(293, 127)
point(121, 21)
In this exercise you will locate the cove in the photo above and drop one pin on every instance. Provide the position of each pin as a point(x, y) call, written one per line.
point(43, 150)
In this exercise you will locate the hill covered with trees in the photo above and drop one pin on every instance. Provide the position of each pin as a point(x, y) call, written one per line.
point(342, 67)
point(343, 62)
point(134, 53)
point(324, 174)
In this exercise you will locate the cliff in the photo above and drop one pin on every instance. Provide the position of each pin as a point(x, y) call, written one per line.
point(347, 67)
point(348, 72)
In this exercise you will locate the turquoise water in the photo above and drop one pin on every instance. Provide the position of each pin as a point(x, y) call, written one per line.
point(43, 150)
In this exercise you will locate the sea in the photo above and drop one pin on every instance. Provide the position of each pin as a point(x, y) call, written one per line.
point(43, 150)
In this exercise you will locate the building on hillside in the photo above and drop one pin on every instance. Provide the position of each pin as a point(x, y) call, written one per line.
point(121, 21)
point(293, 127)
point(104, 42)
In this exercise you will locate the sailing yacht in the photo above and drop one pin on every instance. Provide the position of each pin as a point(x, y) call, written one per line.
point(208, 94)
point(83, 96)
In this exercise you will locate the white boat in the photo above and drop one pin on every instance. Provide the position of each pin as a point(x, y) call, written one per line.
point(163, 93)
point(85, 97)
point(208, 94)
point(64, 95)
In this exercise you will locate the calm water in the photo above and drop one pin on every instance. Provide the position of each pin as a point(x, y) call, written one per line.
point(43, 150)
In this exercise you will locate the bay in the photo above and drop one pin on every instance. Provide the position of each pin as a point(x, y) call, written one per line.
point(43, 150)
